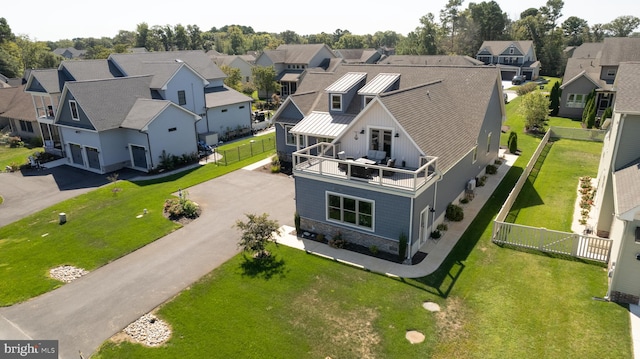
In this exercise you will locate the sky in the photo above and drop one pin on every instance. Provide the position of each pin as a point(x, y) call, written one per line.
point(47, 20)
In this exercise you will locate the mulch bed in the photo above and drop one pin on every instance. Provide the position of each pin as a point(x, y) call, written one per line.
point(391, 257)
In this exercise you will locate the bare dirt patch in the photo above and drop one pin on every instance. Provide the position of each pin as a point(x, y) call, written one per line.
point(450, 320)
point(343, 331)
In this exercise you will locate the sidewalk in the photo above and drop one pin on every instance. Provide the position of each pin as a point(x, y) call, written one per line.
point(437, 250)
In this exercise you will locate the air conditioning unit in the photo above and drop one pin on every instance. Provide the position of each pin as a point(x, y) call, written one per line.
point(471, 185)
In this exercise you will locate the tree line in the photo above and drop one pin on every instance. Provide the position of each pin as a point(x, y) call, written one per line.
point(455, 31)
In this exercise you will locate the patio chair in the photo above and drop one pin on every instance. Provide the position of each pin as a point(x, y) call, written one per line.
point(391, 163)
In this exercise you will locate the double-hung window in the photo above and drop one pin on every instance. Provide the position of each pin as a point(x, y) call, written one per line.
point(336, 102)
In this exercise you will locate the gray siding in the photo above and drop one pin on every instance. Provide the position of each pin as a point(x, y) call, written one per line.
point(628, 144)
point(580, 86)
point(64, 118)
point(392, 213)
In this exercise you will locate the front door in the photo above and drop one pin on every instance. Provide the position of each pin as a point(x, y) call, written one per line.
point(425, 228)
point(139, 156)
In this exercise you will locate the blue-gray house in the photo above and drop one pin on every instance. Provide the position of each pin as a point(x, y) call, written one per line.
point(378, 151)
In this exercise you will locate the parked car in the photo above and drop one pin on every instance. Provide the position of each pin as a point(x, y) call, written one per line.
point(518, 80)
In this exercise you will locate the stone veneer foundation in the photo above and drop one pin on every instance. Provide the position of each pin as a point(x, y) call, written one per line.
point(619, 297)
point(351, 236)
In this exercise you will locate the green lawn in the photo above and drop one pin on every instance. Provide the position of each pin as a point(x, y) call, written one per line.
point(496, 302)
point(18, 156)
point(102, 226)
point(549, 202)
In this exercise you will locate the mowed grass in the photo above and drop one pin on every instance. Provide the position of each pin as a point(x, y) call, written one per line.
point(102, 226)
point(18, 156)
point(495, 303)
point(550, 200)
point(298, 306)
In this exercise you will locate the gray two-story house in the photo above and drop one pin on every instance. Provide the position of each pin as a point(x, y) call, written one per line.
point(594, 67)
point(381, 151)
point(85, 115)
point(617, 202)
point(290, 61)
point(511, 57)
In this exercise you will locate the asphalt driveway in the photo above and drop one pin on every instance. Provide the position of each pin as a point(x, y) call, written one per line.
point(31, 190)
point(86, 312)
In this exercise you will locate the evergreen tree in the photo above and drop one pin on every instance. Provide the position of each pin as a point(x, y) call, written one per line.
point(554, 98)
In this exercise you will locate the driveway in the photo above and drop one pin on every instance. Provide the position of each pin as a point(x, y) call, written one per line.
point(30, 191)
point(88, 311)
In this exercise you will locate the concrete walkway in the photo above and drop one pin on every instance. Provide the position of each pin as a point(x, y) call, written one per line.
point(437, 250)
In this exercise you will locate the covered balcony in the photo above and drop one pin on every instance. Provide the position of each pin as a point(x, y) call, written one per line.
point(322, 159)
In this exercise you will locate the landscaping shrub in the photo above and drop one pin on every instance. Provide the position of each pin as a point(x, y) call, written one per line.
point(513, 142)
point(296, 221)
point(491, 169)
point(337, 241)
point(454, 213)
point(442, 227)
point(526, 88)
point(402, 246)
point(15, 141)
point(436, 234)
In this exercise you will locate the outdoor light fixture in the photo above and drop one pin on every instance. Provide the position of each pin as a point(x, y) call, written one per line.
point(362, 131)
point(397, 135)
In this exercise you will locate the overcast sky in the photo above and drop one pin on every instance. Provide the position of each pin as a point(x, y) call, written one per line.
point(47, 20)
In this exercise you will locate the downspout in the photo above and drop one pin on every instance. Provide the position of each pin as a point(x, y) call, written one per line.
point(435, 195)
point(410, 244)
point(149, 147)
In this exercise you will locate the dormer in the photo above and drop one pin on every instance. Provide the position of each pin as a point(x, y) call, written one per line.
point(342, 92)
point(383, 82)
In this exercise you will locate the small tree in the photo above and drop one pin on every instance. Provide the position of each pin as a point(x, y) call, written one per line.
point(589, 111)
point(256, 232)
point(535, 108)
point(513, 142)
point(554, 98)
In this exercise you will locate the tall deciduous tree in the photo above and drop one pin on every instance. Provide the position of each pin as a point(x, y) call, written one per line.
point(490, 19)
point(622, 26)
point(449, 17)
point(574, 30)
point(234, 77)
point(257, 231)
point(264, 77)
point(422, 41)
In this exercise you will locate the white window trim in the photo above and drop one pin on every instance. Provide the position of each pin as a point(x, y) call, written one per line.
point(74, 105)
point(287, 129)
point(357, 199)
point(474, 157)
point(572, 103)
point(331, 99)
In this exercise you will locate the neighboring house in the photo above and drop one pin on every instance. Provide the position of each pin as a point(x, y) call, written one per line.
point(187, 80)
point(244, 63)
point(438, 60)
point(70, 52)
point(359, 56)
point(290, 61)
point(593, 66)
point(381, 150)
point(511, 57)
point(17, 112)
point(617, 203)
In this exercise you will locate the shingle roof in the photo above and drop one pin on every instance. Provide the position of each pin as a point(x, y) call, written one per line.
point(108, 102)
point(620, 49)
point(627, 187)
point(142, 112)
point(577, 67)
point(87, 69)
point(298, 53)
point(133, 64)
point(588, 50)
point(17, 104)
point(224, 96)
point(49, 79)
point(441, 107)
point(498, 47)
point(441, 60)
point(627, 87)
